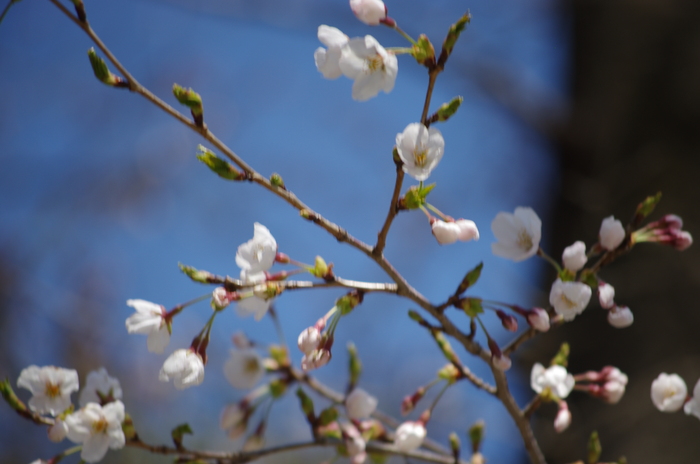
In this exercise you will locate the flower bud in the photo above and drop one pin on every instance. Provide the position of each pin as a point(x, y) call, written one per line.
point(563, 418)
point(509, 322)
point(668, 392)
point(309, 340)
point(359, 404)
point(611, 234)
point(317, 358)
point(620, 317)
point(219, 298)
point(410, 436)
point(370, 12)
point(58, 431)
point(500, 361)
point(409, 401)
point(538, 319)
point(574, 256)
point(606, 295)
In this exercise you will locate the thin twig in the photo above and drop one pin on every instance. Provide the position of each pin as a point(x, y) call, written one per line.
point(393, 211)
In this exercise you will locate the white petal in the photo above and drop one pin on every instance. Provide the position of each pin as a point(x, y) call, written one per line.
point(95, 448)
point(158, 340)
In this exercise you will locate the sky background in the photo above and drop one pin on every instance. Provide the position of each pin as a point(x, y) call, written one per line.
point(101, 194)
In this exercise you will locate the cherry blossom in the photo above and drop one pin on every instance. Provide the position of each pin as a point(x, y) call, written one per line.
point(58, 431)
point(693, 405)
point(51, 388)
point(538, 319)
point(257, 254)
point(620, 317)
point(574, 256)
point(317, 358)
point(410, 436)
point(569, 298)
point(327, 60)
point(184, 367)
point(100, 385)
point(449, 232)
point(359, 404)
point(606, 295)
point(234, 418)
point(518, 234)
point(614, 386)
point(611, 234)
point(421, 150)
point(97, 428)
point(354, 444)
point(309, 339)
point(370, 12)
point(554, 378)
point(244, 368)
point(257, 304)
point(371, 67)
point(668, 392)
point(149, 319)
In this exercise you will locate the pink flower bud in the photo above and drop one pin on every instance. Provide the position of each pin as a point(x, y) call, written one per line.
point(449, 232)
point(681, 240)
point(606, 295)
point(309, 340)
point(219, 298)
point(563, 418)
point(500, 361)
point(359, 404)
point(315, 359)
point(508, 321)
point(370, 12)
point(611, 233)
point(58, 431)
point(620, 317)
point(538, 319)
point(410, 436)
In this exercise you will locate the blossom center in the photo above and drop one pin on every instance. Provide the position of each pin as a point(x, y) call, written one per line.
point(52, 390)
point(420, 156)
point(100, 425)
point(251, 365)
point(524, 240)
point(569, 303)
point(375, 63)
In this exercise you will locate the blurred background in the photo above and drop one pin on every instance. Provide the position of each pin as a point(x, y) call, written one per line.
point(577, 108)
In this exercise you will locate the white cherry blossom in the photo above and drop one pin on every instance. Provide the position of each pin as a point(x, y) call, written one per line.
point(449, 232)
point(620, 317)
point(97, 428)
point(359, 404)
point(184, 367)
point(574, 256)
point(369, 12)
point(668, 392)
point(354, 444)
point(258, 253)
point(371, 67)
point(518, 234)
point(410, 436)
point(569, 298)
point(614, 386)
point(538, 318)
point(420, 149)
point(693, 405)
point(317, 358)
point(257, 304)
point(309, 339)
point(611, 234)
point(149, 320)
point(244, 368)
point(51, 388)
point(563, 419)
point(99, 381)
point(327, 60)
point(58, 431)
point(234, 419)
point(555, 378)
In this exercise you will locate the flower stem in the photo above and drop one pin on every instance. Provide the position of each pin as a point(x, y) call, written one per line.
point(406, 36)
point(549, 259)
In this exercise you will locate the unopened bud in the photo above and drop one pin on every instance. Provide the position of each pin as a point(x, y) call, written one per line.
point(276, 181)
point(423, 51)
point(476, 435)
point(509, 322)
point(447, 110)
point(620, 317)
point(102, 73)
point(563, 418)
point(220, 167)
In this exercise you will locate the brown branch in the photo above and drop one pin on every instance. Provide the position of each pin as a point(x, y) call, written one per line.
point(393, 210)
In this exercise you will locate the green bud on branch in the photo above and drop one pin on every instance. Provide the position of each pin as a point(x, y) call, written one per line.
point(102, 72)
point(452, 36)
point(471, 306)
point(80, 10)
point(219, 166)
point(203, 277)
point(276, 181)
point(192, 100)
point(594, 448)
point(470, 279)
point(562, 356)
point(645, 208)
point(423, 51)
point(476, 435)
point(354, 365)
point(446, 110)
point(178, 433)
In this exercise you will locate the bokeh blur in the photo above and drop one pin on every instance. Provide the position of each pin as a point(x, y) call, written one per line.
point(564, 110)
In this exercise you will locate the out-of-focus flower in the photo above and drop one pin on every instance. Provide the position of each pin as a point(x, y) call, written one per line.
point(97, 428)
point(371, 67)
point(359, 404)
point(611, 233)
point(327, 60)
point(51, 388)
point(606, 295)
point(555, 378)
point(538, 319)
point(449, 232)
point(309, 339)
point(518, 234)
point(149, 319)
point(620, 317)
point(563, 418)
point(354, 444)
point(257, 254)
point(693, 405)
point(58, 431)
point(317, 358)
point(234, 419)
point(244, 368)
point(574, 256)
point(420, 148)
point(569, 298)
point(184, 367)
point(410, 436)
point(668, 392)
point(370, 12)
point(257, 304)
point(100, 385)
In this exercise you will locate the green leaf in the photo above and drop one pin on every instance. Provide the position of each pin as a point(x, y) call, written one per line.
point(471, 306)
point(189, 98)
point(646, 207)
point(328, 415)
point(423, 51)
point(178, 432)
point(203, 277)
point(277, 388)
point(452, 36)
point(470, 278)
point(220, 167)
point(354, 365)
point(562, 356)
point(447, 110)
point(594, 448)
point(307, 405)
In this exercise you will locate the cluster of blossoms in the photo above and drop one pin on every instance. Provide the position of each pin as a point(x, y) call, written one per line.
point(669, 393)
point(97, 425)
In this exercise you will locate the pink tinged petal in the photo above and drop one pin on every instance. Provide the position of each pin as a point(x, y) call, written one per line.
point(574, 256)
point(563, 418)
point(445, 232)
point(612, 233)
point(158, 340)
point(143, 323)
point(668, 392)
point(95, 448)
point(606, 295)
point(369, 12)
point(57, 432)
point(327, 62)
point(231, 416)
point(467, 230)
point(620, 317)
